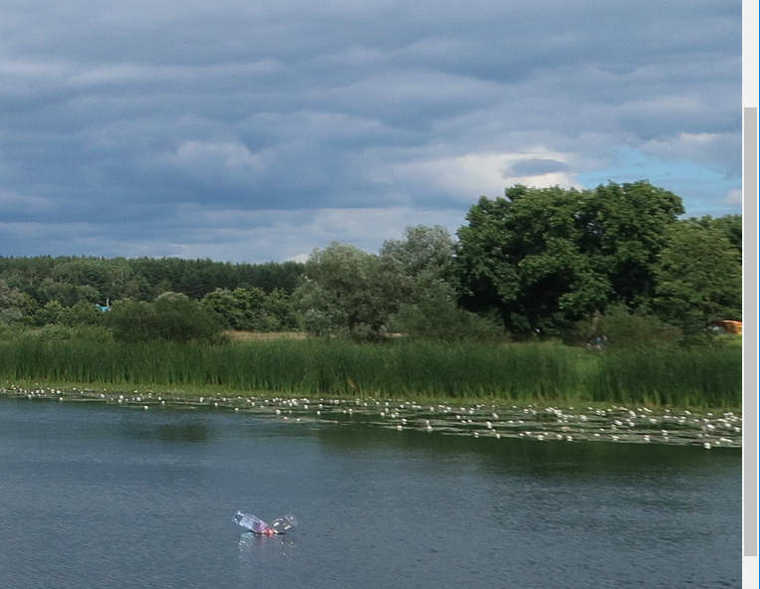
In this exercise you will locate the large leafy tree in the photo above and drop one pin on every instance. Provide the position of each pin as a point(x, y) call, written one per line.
point(698, 275)
point(623, 229)
point(345, 292)
point(547, 257)
point(421, 266)
point(423, 260)
point(730, 226)
point(422, 251)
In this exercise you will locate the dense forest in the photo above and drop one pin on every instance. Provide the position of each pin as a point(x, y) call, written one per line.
point(620, 258)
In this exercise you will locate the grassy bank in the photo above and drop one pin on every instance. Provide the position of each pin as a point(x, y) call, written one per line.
point(704, 376)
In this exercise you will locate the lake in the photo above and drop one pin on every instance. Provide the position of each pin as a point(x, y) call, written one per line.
point(97, 495)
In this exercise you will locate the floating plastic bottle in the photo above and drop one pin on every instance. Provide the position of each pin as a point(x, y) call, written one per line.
point(257, 525)
point(284, 523)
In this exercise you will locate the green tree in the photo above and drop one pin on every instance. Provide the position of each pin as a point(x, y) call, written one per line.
point(84, 272)
point(698, 276)
point(279, 312)
point(82, 313)
point(252, 309)
point(225, 305)
point(345, 292)
point(133, 321)
point(420, 268)
point(250, 303)
point(15, 306)
point(520, 255)
point(435, 314)
point(424, 255)
point(68, 293)
point(545, 258)
point(50, 313)
point(623, 228)
point(729, 225)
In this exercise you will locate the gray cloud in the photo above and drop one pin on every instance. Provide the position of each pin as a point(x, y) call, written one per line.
point(535, 167)
point(116, 120)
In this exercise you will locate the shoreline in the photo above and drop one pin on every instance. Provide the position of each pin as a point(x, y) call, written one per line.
point(219, 392)
point(540, 420)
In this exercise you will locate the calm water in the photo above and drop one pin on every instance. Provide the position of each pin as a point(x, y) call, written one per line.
point(102, 496)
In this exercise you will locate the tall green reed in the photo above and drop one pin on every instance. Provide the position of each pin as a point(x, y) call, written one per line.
point(700, 376)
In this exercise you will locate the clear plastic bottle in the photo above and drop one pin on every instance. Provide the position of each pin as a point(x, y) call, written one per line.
point(251, 522)
point(284, 523)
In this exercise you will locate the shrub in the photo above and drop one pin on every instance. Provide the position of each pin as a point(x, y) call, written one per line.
point(618, 327)
point(172, 317)
point(442, 319)
point(82, 313)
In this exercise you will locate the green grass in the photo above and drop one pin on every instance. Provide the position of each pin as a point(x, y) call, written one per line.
point(706, 376)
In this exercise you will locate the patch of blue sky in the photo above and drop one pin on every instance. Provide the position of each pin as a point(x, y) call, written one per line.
point(704, 190)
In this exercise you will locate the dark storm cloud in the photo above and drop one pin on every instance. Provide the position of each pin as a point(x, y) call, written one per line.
point(258, 130)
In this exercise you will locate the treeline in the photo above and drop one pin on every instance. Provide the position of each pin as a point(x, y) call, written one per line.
point(69, 280)
point(45, 290)
point(616, 262)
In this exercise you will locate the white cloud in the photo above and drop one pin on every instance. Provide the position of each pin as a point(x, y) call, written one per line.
point(474, 174)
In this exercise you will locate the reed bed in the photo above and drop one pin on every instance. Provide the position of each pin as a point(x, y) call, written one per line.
point(707, 376)
point(702, 376)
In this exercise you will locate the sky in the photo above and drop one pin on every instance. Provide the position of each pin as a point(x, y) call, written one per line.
point(249, 131)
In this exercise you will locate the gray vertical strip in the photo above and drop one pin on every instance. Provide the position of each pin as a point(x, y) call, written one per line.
point(749, 370)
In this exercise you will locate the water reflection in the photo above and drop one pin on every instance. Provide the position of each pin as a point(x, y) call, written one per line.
point(258, 546)
point(173, 431)
point(183, 432)
point(578, 460)
point(263, 558)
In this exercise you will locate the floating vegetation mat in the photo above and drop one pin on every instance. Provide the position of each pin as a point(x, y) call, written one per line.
point(612, 423)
